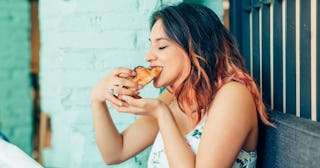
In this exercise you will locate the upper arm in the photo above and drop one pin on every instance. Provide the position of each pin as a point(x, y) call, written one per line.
point(143, 130)
point(232, 115)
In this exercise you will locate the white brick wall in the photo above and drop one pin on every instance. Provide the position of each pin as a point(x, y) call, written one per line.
point(81, 41)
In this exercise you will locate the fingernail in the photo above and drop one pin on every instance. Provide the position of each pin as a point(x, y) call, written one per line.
point(133, 73)
point(124, 97)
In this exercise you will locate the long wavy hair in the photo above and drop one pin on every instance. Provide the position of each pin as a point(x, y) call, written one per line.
point(214, 55)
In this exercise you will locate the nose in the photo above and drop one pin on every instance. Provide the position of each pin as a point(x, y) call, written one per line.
point(150, 56)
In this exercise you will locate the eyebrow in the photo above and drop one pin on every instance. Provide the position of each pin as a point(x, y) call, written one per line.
point(160, 38)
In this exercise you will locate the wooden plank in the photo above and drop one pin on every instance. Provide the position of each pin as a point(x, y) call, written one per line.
point(278, 63)
point(318, 61)
point(266, 78)
point(305, 58)
point(236, 21)
point(34, 37)
point(45, 134)
point(246, 32)
point(256, 44)
point(291, 58)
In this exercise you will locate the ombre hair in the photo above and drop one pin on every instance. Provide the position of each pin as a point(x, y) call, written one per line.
point(214, 55)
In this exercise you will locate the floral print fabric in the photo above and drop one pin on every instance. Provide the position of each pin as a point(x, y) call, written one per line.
point(158, 158)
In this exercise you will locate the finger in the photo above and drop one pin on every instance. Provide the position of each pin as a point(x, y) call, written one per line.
point(123, 108)
point(127, 83)
point(121, 71)
point(127, 109)
point(112, 99)
point(140, 103)
point(123, 75)
point(125, 91)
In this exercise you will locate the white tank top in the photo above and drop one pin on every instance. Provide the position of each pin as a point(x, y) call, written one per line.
point(158, 158)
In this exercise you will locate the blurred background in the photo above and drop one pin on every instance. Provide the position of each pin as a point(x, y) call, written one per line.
point(51, 54)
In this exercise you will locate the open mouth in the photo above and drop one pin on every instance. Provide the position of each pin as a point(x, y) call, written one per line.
point(156, 70)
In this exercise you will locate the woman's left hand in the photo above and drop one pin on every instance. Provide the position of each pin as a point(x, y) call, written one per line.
point(142, 106)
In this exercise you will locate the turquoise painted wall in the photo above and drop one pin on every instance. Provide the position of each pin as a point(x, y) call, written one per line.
point(15, 93)
point(81, 41)
point(215, 5)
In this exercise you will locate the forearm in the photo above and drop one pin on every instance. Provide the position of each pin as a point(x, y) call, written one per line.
point(178, 152)
point(108, 139)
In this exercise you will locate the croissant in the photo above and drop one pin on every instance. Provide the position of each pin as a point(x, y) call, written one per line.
point(144, 76)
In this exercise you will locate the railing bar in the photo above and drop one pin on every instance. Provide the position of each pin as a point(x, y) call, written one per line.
point(318, 61)
point(271, 55)
point(260, 49)
point(290, 77)
point(298, 58)
point(246, 35)
point(284, 23)
point(255, 45)
point(278, 76)
point(265, 41)
point(305, 58)
point(251, 45)
point(313, 61)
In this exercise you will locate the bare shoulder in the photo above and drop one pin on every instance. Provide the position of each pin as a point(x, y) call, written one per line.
point(231, 120)
point(234, 89)
point(235, 101)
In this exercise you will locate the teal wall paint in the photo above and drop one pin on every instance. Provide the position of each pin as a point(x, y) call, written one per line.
point(81, 41)
point(15, 93)
point(215, 5)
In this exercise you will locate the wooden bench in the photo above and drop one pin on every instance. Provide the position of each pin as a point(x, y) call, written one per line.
point(294, 143)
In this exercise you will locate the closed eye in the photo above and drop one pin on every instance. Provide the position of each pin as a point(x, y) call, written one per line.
point(161, 48)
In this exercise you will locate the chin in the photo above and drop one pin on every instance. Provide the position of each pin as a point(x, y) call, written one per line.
point(158, 84)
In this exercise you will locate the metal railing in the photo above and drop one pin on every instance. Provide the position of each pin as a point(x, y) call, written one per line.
point(280, 42)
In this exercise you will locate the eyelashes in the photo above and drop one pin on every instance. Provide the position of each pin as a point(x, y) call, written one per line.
point(163, 47)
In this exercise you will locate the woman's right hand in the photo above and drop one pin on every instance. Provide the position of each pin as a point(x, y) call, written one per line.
point(113, 84)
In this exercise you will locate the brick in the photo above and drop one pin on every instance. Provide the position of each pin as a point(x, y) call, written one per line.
point(91, 22)
point(17, 116)
point(75, 97)
point(106, 39)
point(49, 8)
point(14, 35)
point(11, 63)
point(12, 47)
point(142, 41)
point(10, 86)
point(14, 18)
point(21, 75)
point(22, 139)
point(3, 75)
point(147, 6)
point(4, 13)
point(107, 6)
point(112, 58)
point(49, 23)
point(50, 106)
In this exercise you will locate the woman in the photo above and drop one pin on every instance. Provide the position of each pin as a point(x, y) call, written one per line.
point(207, 116)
